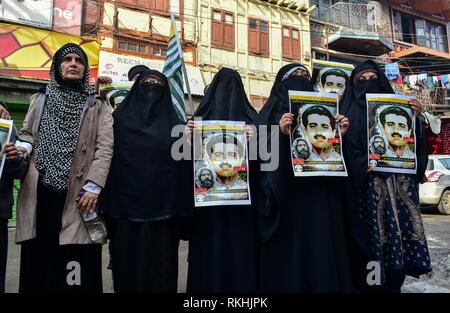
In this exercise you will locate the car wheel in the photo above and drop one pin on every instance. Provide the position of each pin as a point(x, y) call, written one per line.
point(444, 204)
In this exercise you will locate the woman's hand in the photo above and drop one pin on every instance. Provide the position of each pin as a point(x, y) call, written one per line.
point(249, 131)
point(416, 106)
point(369, 169)
point(4, 114)
point(87, 203)
point(14, 153)
point(286, 122)
point(189, 128)
point(105, 80)
point(343, 123)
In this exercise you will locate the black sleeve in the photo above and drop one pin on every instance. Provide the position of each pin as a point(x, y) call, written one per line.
point(421, 151)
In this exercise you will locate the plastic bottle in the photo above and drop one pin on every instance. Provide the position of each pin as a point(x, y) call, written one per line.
point(94, 225)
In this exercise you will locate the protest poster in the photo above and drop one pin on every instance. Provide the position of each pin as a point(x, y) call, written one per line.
point(331, 77)
point(220, 164)
point(390, 136)
point(315, 136)
point(114, 94)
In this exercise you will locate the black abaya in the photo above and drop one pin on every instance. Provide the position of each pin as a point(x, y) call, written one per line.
point(145, 255)
point(302, 226)
point(384, 215)
point(143, 198)
point(223, 246)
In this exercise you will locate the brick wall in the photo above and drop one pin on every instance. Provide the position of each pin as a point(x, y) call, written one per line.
point(445, 134)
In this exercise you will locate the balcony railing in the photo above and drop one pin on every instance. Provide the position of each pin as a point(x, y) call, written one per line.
point(352, 16)
point(436, 100)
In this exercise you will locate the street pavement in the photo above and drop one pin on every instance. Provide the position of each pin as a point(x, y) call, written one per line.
point(437, 228)
point(12, 271)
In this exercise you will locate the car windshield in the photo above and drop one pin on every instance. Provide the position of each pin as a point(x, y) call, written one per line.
point(445, 162)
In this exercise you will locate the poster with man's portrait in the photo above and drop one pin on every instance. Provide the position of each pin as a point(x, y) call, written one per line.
point(114, 94)
point(331, 77)
point(220, 164)
point(315, 136)
point(5, 134)
point(391, 129)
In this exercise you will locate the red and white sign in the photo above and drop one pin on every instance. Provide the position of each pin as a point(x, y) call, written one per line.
point(67, 16)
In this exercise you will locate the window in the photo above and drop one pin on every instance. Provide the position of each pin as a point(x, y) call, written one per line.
point(398, 34)
point(258, 101)
point(445, 162)
point(442, 39)
point(142, 47)
point(159, 6)
point(419, 31)
point(430, 165)
point(258, 37)
point(132, 46)
point(222, 32)
point(291, 43)
point(159, 51)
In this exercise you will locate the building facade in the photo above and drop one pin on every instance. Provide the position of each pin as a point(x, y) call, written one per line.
point(255, 37)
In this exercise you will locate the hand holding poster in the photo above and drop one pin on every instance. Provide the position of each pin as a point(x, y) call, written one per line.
point(5, 134)
point(220, 164)
point(315, 135)
point(391, 129)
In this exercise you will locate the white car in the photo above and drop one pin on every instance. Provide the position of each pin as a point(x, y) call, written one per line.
point(436, 190)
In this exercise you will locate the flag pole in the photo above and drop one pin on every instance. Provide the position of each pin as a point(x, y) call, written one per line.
point(180, 51)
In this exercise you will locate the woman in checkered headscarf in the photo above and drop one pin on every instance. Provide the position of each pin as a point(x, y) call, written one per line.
point(70, 134)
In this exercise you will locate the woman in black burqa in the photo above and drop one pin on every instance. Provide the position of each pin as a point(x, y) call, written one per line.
point(140, 199)
point(304, 245)
point(384, 216)
point(223, 245)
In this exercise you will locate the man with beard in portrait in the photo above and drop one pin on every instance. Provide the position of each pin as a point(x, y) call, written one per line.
point(300, 149)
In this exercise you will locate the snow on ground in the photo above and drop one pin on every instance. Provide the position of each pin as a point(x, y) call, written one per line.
point(438, 281)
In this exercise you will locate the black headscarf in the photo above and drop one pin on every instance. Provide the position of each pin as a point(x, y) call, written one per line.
point(225, 99)
point(286, 71)
point(143, 176)
point(273, 183)
point(278, 102)
point(59, 125)
point(137, 69)
point(354, 106)
point(369, 195)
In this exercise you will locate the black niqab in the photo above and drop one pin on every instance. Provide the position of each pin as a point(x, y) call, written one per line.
point(304, 245)
point(278, 102)
point(135, 70)
point(223, 246)
point(273, 182)
point(376, 194)
point(225, 99)
point(144, 176)
point(354, 106)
